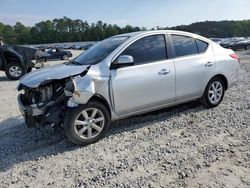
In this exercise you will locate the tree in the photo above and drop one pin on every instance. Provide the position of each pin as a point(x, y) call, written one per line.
point(68, 30)
point(22, 33)
point(9, 35)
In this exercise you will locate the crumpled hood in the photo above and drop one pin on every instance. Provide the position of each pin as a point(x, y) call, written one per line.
point(56, 72)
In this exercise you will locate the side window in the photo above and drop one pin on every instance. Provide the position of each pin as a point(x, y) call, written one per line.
point(202, 46)
point(184, 45)
point(148, 49)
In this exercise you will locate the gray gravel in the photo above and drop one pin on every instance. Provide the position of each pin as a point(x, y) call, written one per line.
point(183, 146)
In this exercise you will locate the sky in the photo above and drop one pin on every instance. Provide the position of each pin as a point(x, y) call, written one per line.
point(148, 13)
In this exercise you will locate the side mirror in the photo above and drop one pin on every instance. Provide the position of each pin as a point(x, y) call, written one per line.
point(125, 60)
point(122, 61)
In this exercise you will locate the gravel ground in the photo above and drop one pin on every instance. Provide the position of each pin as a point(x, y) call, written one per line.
point(183, 146)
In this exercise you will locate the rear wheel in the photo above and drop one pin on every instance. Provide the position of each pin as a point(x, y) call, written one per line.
point(214, 93)
point(65, 57)
point(86, 123)
point(14, 70)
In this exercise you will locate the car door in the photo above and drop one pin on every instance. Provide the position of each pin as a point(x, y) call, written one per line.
point(194, 64)
point(55, 53)
point(58, 54)
point(150, 82)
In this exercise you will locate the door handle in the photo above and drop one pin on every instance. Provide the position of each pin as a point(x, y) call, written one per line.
point(164, 72)
point(209, 64)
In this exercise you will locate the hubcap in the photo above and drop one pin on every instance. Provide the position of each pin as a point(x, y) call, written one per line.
point(215, 92)
point(15, 71)
point(89, 123)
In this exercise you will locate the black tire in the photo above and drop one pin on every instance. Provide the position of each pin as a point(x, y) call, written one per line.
point(10, 66)
point(206, 100)
point(247, 47)
point(65, 57)
point(74, 113)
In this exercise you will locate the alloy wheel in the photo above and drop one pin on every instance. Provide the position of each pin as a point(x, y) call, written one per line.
point(89, 123)
point(215, 92)
point(15, 71)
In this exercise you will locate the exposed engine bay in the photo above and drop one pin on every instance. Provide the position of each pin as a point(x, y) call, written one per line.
point(45, 105)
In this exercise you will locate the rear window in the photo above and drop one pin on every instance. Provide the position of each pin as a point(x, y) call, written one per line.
point(184, 45)
point(202, 46)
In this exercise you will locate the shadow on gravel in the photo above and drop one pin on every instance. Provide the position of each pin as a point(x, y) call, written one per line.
point(17, 142)
point(4, 79)
point(137, 122)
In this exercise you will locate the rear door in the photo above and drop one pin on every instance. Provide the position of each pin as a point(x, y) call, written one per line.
point(147, 84)
point(194, 63)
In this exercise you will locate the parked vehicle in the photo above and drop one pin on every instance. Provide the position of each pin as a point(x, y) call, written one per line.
point(18, 60)
point(78, 47)
point(236, 43)
point(126, 75)
point(56, 53)
point(217, 40)
point(82, 46)
point(87, 46)
point(67, 46)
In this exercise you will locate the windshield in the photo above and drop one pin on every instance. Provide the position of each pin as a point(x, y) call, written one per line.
point(99, 51)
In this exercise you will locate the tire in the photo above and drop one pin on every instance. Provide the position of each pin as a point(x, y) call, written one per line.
point(79, 133)
point(14, 70)
point(247, 47)
point(65, 57)
point(207, 98)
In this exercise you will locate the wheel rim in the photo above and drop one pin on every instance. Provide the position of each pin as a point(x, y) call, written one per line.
point(65, 57)
point(15, 71)
point(89, 123)
point(215, 92)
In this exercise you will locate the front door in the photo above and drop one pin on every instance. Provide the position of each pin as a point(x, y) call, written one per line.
point(147, 84)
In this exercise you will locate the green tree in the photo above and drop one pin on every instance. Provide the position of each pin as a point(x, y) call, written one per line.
point(68, 30)
point(22, 33)
point(9, 35)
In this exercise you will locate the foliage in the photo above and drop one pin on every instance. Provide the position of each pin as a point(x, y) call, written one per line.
point(221, 29)
point(68, 30)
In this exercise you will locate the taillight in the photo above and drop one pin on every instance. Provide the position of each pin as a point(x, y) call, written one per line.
point(235, 56)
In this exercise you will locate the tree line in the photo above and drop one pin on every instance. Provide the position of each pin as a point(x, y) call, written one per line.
point(68, 30)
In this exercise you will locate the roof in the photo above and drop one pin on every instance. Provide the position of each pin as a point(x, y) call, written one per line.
point(141, 33)
point(132, 34)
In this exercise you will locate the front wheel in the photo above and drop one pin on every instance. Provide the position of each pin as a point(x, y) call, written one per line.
point(213, 93)
point(14, 70)
point(86, 123)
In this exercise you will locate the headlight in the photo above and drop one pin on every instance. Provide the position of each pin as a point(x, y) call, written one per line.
point(69, 88)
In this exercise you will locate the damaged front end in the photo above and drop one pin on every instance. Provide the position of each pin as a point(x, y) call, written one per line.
point(44, 99)
point(44, 105)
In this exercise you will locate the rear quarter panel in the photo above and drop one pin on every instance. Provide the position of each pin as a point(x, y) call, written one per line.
point(226, 65)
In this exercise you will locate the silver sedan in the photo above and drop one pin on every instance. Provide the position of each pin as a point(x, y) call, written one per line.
point(126, 75)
